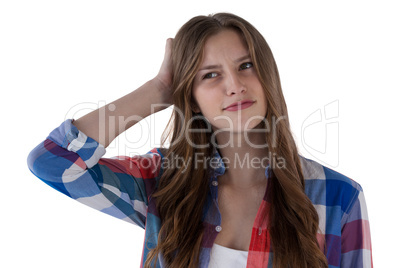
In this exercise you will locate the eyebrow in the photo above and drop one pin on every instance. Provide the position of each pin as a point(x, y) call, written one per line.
point(208, 67)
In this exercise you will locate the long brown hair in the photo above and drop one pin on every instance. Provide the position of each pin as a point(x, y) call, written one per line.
point(182, 192)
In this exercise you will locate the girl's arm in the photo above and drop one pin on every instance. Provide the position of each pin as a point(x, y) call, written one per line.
point(355, 237)
point(70, 159)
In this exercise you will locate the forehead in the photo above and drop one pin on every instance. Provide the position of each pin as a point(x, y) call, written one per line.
point(227, 43)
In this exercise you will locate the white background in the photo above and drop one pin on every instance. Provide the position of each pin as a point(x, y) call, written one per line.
point(60, 58)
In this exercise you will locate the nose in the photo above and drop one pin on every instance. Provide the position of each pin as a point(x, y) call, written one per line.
point(234, 84)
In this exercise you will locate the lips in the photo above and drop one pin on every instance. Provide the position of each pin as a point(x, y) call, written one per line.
point(240, 105)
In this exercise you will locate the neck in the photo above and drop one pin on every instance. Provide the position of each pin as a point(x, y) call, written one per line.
point(245, 156)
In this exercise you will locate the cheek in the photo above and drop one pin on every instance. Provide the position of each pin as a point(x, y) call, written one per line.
point(204, 98)
point(195, 102)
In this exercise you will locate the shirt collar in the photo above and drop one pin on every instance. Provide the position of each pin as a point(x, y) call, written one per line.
point(216, 163)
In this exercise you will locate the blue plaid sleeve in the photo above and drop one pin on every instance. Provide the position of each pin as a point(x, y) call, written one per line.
point(355, 237)
point(72, 163)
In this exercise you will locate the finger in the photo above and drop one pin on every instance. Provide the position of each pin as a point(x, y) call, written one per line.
point(165, 69)
point(168, 47)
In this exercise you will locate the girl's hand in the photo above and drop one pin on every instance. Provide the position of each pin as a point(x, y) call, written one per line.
point(164, 79)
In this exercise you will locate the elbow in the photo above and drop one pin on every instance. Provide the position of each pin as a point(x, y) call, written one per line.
point(46, 163)
point(34, 158)
point(47, 166)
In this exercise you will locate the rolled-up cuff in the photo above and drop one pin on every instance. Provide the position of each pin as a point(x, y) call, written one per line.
point(69, 137)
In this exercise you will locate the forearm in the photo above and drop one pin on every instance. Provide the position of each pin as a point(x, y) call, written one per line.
point(108, 122)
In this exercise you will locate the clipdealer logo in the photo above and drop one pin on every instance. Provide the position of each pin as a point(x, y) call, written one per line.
point(320, 134)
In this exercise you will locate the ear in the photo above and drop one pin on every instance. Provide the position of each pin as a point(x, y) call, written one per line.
point(195, 108)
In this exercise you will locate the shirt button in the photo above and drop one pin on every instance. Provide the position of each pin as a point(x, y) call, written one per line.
point(215, 183)
point(218, 228)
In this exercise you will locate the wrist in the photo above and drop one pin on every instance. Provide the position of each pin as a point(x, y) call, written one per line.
point(163, 92)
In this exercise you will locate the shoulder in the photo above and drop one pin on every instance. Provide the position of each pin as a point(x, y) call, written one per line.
point(149, 163)
point(328, 187)
point(142, 166)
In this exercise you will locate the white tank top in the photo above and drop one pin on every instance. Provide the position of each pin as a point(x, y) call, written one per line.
point(223, 257)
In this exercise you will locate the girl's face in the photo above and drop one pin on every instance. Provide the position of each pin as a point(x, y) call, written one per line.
point(227, 77)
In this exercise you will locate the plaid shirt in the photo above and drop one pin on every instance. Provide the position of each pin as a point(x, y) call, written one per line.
point(71, 163)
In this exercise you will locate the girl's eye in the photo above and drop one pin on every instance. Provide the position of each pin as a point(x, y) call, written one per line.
point(210, 75)
point(246, 65)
